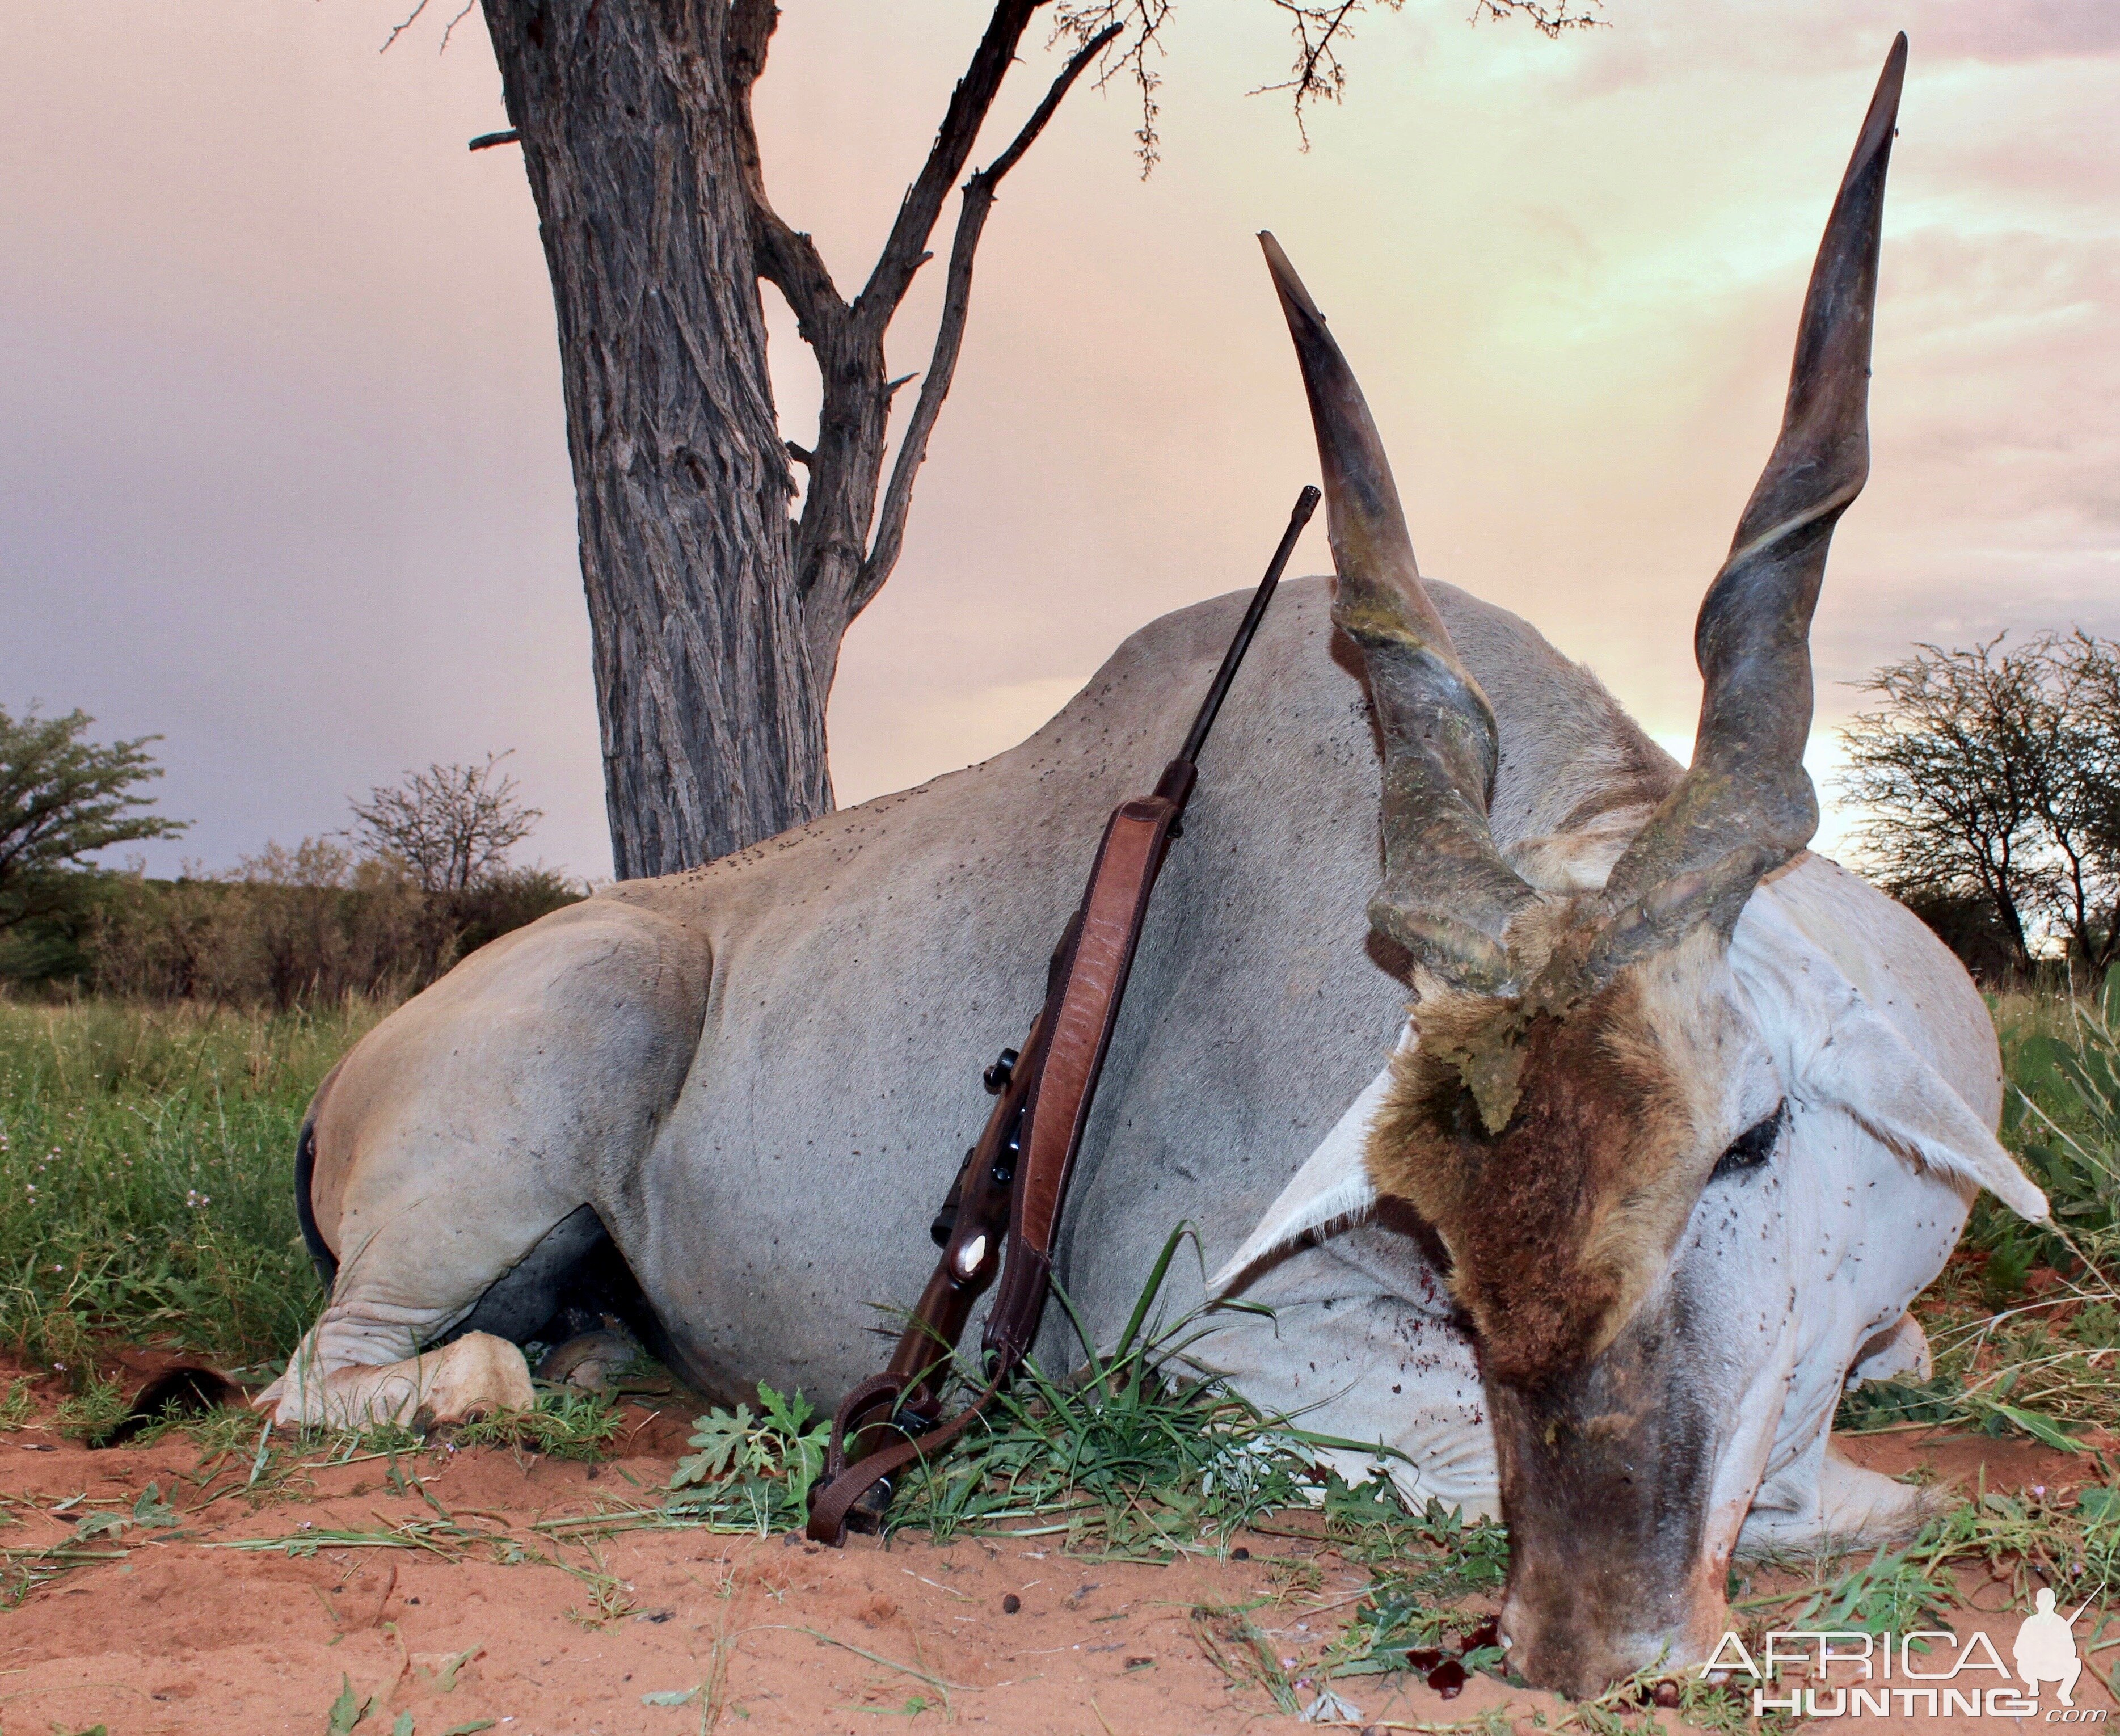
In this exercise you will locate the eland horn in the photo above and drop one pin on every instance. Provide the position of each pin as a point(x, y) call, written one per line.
point(1746, 805)
point(1448, 897)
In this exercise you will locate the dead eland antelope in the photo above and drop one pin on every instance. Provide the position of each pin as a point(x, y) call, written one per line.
point(1682, 1118)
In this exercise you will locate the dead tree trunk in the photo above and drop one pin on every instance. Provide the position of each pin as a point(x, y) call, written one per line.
point(712, 725)
point(716, 618)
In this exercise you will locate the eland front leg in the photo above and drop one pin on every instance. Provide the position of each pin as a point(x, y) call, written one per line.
point(451, 1159)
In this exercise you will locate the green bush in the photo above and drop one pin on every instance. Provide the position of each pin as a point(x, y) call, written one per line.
point(504, 900)
point(289, 926)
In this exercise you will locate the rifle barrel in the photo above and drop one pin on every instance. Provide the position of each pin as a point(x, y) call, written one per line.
point(1306, 503)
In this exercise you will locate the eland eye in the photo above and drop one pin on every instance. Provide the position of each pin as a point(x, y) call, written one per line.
point(1750, 1149)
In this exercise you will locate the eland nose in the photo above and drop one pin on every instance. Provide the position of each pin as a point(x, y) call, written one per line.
point(1572, 1649)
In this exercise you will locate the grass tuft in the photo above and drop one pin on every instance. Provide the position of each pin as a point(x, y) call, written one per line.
point(146, 1159)
point(565, 1423)
point(1136, 1454)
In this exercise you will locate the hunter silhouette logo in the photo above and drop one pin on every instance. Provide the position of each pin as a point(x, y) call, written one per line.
point(2045, 1650)
point(1931, 1672)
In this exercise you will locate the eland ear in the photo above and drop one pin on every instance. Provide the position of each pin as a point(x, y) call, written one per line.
point(1331, 1188)
point(1867, 1068)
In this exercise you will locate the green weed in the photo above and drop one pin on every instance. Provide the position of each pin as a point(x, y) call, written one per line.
point(565, 1423)
point(784, 1442)
point(751, 1472)
point(91, 1411)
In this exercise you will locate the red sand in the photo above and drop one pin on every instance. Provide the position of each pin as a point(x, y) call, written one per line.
point(179, 1637)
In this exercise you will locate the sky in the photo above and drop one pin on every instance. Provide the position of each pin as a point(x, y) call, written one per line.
point(283, 476)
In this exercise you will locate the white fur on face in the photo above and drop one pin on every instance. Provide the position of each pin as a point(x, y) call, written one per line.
point(1808, 1261)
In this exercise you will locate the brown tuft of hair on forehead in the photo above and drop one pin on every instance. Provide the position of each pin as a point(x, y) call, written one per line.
point(1556, 1224)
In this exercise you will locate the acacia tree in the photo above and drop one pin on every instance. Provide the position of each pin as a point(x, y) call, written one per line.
point(451, 826)
point(2081, 808)
point(716, 611)
point(63, 798)
point(1992, 779)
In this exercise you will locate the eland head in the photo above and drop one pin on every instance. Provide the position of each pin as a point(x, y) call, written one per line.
point(1619, 1136)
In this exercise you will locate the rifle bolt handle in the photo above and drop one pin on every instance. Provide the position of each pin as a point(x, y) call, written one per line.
point(995, 1079)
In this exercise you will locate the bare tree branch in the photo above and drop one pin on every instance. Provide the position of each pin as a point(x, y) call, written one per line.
point(412, 18)
point(451, 826)
point(905, 251)
point(1140, 22)
point(789, 261)
point(1321, 28)
point(836, 573)
point(849, 535)
point(979, 197)
point(450, 29)
point(397, 30)
point(1318, 74)
point(1548, 21)
point(787, 258)
point(991, 176)
point(750, 26)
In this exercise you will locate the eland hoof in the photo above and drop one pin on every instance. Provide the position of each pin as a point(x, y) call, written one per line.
point(589, 1360)
point(477, 1375)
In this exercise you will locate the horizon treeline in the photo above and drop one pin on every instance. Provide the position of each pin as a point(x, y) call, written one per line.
point(1988, 780)
point(421, 879)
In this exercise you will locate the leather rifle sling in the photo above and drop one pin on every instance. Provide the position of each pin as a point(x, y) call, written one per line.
point(1079, 1018)
point(844, 1485)
point(1050, 1088)
point(1113, 911)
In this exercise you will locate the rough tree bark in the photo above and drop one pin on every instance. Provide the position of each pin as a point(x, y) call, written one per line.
point(716, 618)
point(631, 118)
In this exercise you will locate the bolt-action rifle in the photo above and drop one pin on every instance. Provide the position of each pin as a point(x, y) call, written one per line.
point(1006, 1198)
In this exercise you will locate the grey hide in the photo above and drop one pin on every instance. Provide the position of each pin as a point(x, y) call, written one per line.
point(868, 966)
point(864, 968)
